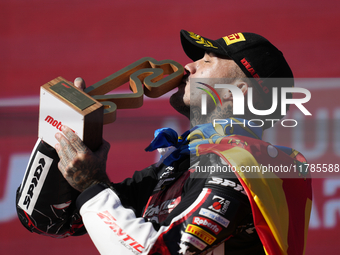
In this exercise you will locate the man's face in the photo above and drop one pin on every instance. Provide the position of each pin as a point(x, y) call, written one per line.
point(208, 67)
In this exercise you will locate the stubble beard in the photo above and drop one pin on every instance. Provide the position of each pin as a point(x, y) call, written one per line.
point(193, 113)
point(177, 102)
point(196, 117)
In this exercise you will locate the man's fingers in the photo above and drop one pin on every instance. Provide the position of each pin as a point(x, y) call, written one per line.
point(79, 83)
point(103, 150)
point(73, 139)
point(64, 149)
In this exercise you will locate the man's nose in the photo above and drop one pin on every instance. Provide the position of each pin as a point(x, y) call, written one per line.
point(191, 67)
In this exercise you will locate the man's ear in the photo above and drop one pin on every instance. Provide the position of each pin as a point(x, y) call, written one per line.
point(243, 86)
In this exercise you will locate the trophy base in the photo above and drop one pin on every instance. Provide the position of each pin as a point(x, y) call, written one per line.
point(61, 103)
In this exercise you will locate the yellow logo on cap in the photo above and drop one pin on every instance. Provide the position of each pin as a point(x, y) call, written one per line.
point(234, 38)
point(199, 39)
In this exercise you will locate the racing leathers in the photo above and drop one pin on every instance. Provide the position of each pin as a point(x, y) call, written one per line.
point(183, 207)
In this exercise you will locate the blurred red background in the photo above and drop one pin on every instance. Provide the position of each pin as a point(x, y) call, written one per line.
point(41, 40)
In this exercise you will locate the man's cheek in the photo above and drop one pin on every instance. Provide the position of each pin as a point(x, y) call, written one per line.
point(186, 99)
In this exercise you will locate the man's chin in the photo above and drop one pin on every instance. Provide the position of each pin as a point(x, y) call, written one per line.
point(176, 101)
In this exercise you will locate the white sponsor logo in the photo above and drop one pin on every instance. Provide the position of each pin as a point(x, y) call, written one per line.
point(215, 217)
point(226, 183)
point(220, 204)
point(192, 240)
point(166, 207)
point(34, 182)
point(125, 239)
point(207, 223)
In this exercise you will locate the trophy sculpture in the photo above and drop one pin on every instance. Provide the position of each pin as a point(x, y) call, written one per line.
point(62, 103)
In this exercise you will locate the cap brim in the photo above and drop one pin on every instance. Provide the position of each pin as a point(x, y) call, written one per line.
point(195, 45)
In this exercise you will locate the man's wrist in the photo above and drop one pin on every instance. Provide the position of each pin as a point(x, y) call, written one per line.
point(92, 191)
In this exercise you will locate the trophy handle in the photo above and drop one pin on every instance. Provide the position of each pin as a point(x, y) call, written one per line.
point(145, 76)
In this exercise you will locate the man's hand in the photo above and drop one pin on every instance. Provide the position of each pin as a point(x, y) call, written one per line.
point(80, 166)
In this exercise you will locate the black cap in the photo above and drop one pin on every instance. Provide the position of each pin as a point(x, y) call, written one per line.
point(254, 54)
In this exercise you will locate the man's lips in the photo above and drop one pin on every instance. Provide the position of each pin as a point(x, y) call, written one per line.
point(185, 80)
